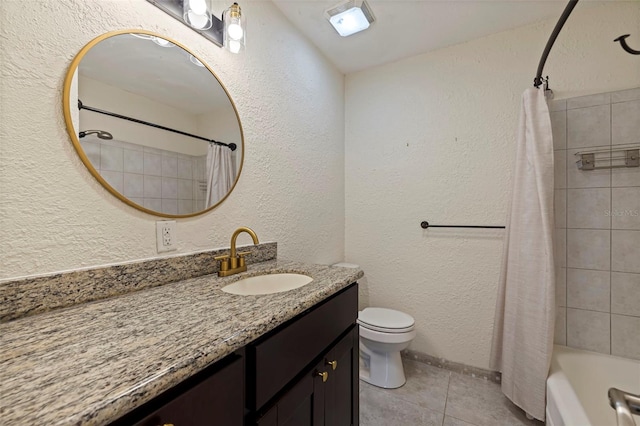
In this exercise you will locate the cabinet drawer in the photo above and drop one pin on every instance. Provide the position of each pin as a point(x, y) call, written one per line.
point(284, 354)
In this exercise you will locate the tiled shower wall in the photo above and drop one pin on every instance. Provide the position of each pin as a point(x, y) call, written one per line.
point(159, 180)
point(597, 217)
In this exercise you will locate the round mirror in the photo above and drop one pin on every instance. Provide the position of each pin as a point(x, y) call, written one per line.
point(153, 123)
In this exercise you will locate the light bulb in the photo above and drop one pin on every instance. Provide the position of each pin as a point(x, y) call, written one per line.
point(234, 46)
point(199, 7)
point(235, 31)
point(198, 21)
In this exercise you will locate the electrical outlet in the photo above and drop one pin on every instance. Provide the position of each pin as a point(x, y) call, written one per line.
point(165, 235)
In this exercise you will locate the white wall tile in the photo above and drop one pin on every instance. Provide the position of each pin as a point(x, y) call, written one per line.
point(560, 208)
point(587, 289)
point(169, 166)
point(133, 185)
point(625, 95)
point(170, 189)
point(185, 206)
point(625, 294)
point(589, 101)
point(560, 249)
point(625, 208)
point(557, 105)
point(589, 249)
point(185, 189)
point(132, 146)
point(560, 169)
point(588, 330)
point(560, 334)
point(561, 286)
point(114, 179)
point(559, 129)
point(111, 158)
point(152, 187)
point(185, 169)
point(625, 251)
point(154, 204)
point(627, 176)
point(169, 206)
point(588, 208)
point(152, 164)
point(625, 336)
point(589, 127)
point(92, 151)
point(133, 161)
point(625, 123)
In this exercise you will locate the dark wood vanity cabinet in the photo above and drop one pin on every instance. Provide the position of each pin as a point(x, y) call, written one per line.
point(323, 395)
point(303, 373)
point(306, 371)
point(215, 396)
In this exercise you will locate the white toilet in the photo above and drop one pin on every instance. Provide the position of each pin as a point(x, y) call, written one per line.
point(383, 334)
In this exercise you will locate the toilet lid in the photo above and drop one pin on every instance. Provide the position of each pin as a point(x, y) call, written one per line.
point(385, 318)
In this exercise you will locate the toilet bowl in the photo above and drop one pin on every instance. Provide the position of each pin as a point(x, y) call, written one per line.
point(383, 334)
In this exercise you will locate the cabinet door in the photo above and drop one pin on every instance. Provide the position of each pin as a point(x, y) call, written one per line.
point(302, 405)
point(217, 400)
point(342, 386)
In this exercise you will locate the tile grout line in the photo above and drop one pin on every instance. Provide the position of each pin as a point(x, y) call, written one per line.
point(610, 225)
point(446, 399)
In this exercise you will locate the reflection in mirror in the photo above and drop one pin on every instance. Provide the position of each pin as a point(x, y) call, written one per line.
point(153, 124)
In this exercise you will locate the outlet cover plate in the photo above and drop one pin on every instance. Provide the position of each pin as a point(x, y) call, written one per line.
point(166, 235)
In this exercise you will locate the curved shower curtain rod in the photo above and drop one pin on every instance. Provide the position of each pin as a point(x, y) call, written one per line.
point(563, 18)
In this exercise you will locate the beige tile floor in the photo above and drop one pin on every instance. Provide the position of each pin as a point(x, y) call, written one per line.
point(436, 397)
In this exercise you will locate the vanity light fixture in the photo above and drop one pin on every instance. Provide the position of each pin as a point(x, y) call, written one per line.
point(197, 14)
point(350, 17)
point(228, 32)
point(234, 29)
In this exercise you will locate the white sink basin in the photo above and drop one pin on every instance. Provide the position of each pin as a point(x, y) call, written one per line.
point(267, 284)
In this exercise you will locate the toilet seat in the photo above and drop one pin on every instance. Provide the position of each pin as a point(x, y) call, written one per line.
point(386, 337)
point(385, 320)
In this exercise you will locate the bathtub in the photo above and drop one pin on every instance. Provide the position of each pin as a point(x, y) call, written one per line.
point(578, 383)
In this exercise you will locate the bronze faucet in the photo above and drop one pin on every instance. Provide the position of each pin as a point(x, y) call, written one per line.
point(234, 263)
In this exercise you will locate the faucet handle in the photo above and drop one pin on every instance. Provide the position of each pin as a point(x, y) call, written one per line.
point(224, 261)
point(241, 255)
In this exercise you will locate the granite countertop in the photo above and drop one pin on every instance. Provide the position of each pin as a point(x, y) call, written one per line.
point(92, 363)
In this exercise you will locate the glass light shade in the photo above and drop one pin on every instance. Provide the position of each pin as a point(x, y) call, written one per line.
point(349, 22)
point(197, 14)
point(235, 36)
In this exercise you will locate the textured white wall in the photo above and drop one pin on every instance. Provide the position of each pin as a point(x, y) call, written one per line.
point(291, 102)
point(432, 138)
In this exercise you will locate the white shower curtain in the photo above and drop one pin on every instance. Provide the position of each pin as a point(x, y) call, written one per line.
point(220, 173)
point(525, 309)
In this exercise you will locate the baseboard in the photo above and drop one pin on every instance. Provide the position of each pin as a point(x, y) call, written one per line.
point(493, 376)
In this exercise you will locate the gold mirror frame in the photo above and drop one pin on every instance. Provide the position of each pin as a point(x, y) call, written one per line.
point(73, 133)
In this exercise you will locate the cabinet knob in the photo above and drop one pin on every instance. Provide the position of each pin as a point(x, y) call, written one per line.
point(323, 374)
point(333, 364)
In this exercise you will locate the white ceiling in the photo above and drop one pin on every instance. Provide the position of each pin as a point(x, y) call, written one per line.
point(407, 28)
